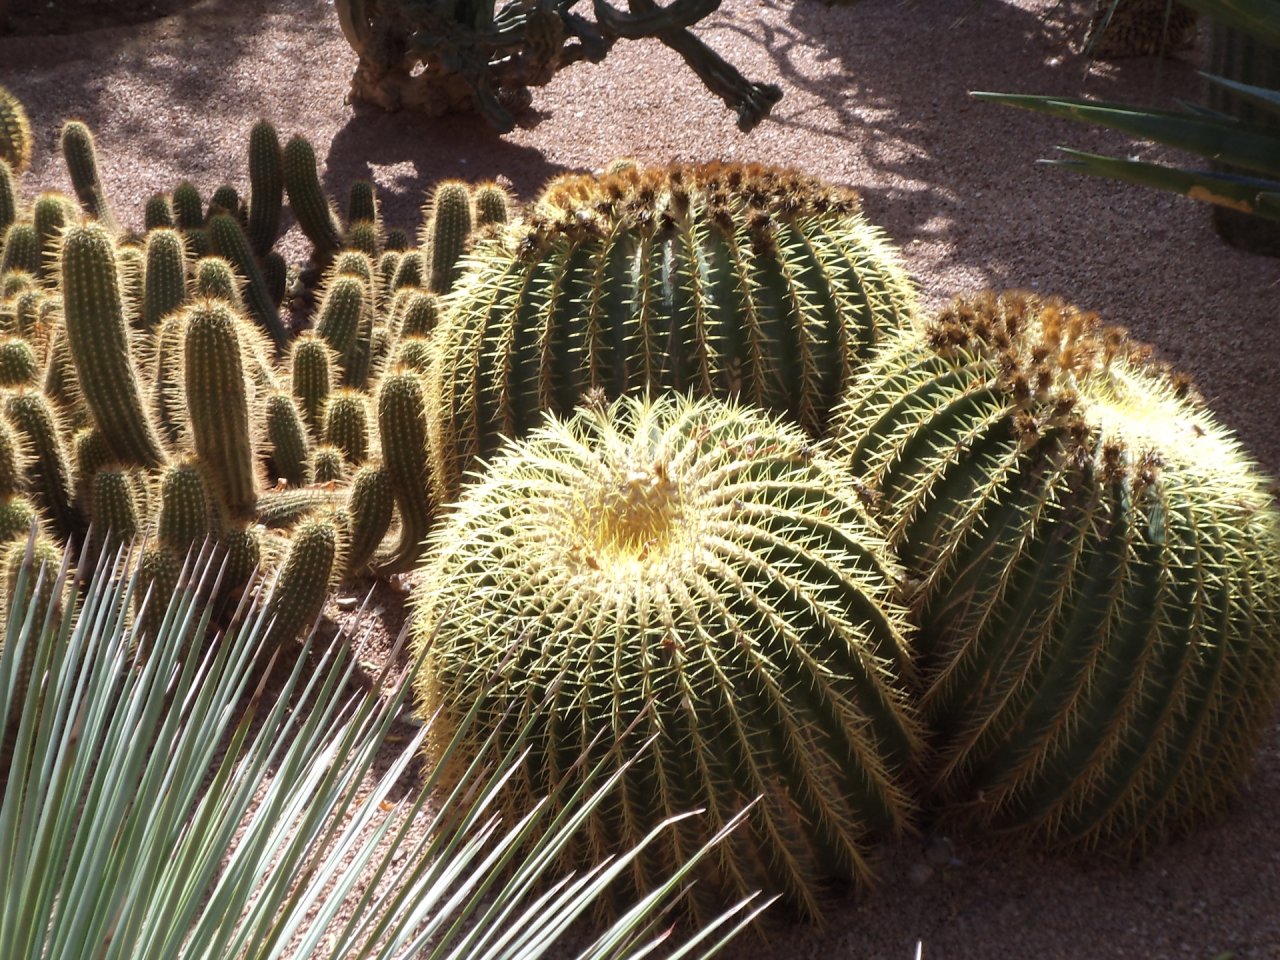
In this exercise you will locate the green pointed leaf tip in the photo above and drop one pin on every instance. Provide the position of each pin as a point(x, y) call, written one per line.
point(1098, 570)
point(703, 557)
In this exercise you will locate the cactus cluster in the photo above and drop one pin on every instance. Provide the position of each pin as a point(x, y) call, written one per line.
point(729, 492)
point(148, 384)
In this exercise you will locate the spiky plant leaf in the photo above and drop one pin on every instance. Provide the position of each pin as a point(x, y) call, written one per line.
point(177, 805)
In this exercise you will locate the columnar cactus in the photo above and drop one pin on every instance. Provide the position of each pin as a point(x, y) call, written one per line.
point(227, 239)
point(98, 338)
point(694, 572)
point(307, 198)
point(15, 132)
point(80, 154)
point(370, 506)
point(306, 576)
point(1097, 569)
point(312, 378)
point(218, 404)
point(402, 429)
point(164, 284)
point(287, 439)
point(445, 233)
point(266, 187)
point(721, 280)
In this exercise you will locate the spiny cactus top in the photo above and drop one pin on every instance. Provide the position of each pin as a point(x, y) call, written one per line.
point(716, 280)
point(15, 132)
point(1098, 571)
point(698, 571)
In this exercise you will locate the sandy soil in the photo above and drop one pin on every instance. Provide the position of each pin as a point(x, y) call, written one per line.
point(876, 98)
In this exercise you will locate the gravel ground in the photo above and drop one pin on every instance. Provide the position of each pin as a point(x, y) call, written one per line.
point(875, 98)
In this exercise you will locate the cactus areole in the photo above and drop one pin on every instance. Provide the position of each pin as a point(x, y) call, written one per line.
point(1097, 569)
point(725, 280)
point(691, 571)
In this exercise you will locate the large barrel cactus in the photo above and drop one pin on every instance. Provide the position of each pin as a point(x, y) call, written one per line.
point(1097, 572)
point(694, 572)
point(720, 279)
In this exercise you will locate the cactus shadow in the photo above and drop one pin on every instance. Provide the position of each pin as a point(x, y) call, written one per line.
point(407, 153)
point(878, 81)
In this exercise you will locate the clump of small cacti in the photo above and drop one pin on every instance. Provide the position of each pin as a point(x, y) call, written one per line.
point(716, 280)
point(1096, 567)
point(695, 572)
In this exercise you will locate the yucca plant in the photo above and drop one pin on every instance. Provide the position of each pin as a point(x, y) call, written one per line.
point(693, 571)
point(176, 804)
point(1252, 146)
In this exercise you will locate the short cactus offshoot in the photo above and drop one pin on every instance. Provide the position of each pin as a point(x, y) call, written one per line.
point(696, 572)
point(1098, 569)
point(716, 280)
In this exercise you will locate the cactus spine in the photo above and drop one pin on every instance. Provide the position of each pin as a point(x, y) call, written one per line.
point(693, 568)
point(1097, 565)
point(720, 280)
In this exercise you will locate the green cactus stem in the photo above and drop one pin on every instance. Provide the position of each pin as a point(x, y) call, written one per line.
point(113, 506)
point(15, 133)
point(98, 339)
point(13, 283)
point(158, 213)
point(305, 578)
point(402, 430)
point(492, 205)
point(409, 272)
point(18, 364)
point(415, 353)
point(370, 507)
point(308, 200)
point(312, 378)
point(226, 199)
point(718, 279)
point(164, 283)
point(13, 462)
point(213, 277)
point(80, 155)
point(229, 241)
point(51, 214)
point(48, 468)
point(339, 317)
point(168, 401)
point(397, 239)
point(276, 273)
point(363, 237)
point(8, 198)
point(282, 509)
point(21, 250)
point(89, 454)
point(217, 394)
point(1097, 569)
point(17, 516)
point(266, 187)
point(188, 207)
point(159, 569)
point(445, 233)
point(697, 570)
point(243, 556)
point(346, 424)
point(419, 314)
point(287, 440)
point(328, 464)
point(362, 203)
point(188, 511)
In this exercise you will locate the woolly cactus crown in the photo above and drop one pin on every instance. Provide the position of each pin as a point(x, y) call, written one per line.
point(698, 571)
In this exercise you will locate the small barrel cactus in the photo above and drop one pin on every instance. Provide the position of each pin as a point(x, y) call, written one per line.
point(1097, 572)
point(695, 572)
point(715, 280)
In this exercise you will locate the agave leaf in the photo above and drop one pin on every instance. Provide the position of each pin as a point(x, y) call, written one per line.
point(1264, 97)
point(1240, 193)
point(1251, 146)
point(161, 805)
point(1260, 18)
